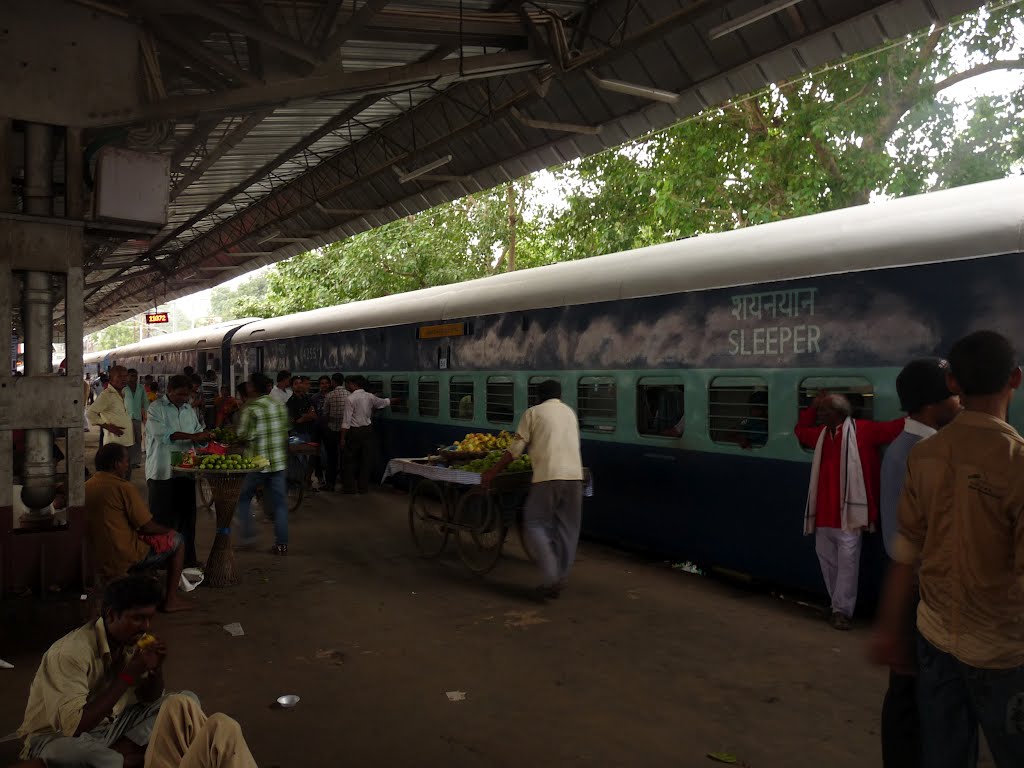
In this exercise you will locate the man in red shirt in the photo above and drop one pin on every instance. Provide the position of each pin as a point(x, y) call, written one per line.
point(842, 498)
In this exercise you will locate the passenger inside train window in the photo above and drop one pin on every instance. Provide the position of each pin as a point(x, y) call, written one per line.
point(660, 409)
point(738, 411)
point(752, 431)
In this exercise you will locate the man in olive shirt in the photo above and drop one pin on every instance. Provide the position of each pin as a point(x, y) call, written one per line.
point(960, 527)
point(553, 510)
point(98, 698)
point(121, 531)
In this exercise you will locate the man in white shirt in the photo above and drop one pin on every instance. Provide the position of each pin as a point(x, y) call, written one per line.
point(110, 411)
point(553, 510)
point(357, 433)
point(173, 425)
point(282, 392)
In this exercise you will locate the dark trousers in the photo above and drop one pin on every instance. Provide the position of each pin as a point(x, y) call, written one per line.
point(901, 720)
point(357, 458)
point(173, 504)
point(333, 453)
point(901, 724)
point(955, 699)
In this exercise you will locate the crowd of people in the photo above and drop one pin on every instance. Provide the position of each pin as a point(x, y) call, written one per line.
point(947, 495)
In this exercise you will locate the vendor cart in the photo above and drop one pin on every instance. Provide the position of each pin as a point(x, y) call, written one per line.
point(447, 500)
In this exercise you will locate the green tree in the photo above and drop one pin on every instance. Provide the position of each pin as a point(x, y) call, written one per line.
point(225, 302)
point(118, 335)
point(455, 241)
point(876, 124)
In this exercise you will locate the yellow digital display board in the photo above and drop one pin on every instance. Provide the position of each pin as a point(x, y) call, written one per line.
point(441, 331)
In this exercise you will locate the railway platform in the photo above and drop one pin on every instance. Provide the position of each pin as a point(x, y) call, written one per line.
point(636, 665)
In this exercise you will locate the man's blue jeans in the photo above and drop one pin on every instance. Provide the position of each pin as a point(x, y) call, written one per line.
point(954, 699)
point(275, 500)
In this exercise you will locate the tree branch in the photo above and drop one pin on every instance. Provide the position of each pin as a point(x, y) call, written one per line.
point(981, 69)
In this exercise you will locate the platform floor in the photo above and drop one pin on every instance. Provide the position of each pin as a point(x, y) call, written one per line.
point(636, 664)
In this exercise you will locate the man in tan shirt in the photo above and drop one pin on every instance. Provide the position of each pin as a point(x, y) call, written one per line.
point(110, 412)
point(98, 698)
point(960, 531)
point(121, 532)
point(553, 510)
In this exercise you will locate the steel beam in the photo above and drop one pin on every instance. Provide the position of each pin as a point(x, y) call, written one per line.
point(229, 142)
point(351, 28)
point(207, 10)
point(321, 86)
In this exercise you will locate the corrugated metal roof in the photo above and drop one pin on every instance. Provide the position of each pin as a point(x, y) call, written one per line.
point(272, 168)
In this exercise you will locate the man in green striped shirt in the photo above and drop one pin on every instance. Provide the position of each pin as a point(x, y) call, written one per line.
point(264, 428)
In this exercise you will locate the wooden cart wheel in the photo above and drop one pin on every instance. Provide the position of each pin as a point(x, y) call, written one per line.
point(428, 518)
point(481, 531)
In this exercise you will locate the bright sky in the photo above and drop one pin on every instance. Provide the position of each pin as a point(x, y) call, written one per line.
point(546, 189)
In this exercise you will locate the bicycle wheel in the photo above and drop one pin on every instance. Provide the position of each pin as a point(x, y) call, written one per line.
point(481, 531)
point(428, 518)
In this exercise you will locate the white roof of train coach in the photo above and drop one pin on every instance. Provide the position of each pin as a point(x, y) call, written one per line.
point(209, 337)
point(977, 220)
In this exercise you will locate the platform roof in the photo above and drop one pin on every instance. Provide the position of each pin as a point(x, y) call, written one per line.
point(292, 124)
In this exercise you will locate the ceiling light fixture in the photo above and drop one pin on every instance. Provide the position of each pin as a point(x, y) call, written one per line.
point(631, 89)
point(749, 18)
point(407, 176)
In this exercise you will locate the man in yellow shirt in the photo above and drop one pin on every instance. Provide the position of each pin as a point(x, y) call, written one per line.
point(553, 510)
point(98, 698)
point(961, 533)
point(110, 412)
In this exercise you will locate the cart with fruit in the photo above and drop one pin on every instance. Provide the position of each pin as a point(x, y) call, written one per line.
point(224, 475)
point(447, 499)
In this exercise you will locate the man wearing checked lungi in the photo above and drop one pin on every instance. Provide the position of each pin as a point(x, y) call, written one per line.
point(553, 508)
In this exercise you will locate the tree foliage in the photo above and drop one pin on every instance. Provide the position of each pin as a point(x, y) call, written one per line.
point(877, 124)
point(455, 241)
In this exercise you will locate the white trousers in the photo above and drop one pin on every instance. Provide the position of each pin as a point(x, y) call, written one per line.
point(839, 556)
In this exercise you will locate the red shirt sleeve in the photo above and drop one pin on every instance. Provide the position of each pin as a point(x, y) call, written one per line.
point(806, 431)
point(879, 433)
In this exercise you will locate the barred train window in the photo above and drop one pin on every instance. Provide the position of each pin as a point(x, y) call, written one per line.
point(500, 400)
point(460, 399)
point(375, 385)
point(595, 399)
point(430, 397)
point(400, 390)
point(532, 398)
point(858, 390)
point(738, 411)
point(659, 408)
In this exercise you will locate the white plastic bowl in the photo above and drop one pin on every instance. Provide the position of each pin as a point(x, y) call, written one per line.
point(288, 701)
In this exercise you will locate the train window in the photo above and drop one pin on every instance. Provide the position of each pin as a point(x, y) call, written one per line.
point(375, 385)
point(659, 409)
point(460, 399)
point(430, 397)
point(858, 390)
point(500, 400)
point(738, 411)
point(595, 398)
point(400, 390)
point(532, 398)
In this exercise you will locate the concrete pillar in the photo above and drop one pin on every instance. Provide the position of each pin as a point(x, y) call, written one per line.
point(37, 317)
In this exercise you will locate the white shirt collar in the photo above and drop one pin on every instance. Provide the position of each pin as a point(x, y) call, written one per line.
point(915, 427)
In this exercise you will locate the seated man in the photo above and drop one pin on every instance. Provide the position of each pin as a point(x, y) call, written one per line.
point(98, 698)
point(121, 531)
